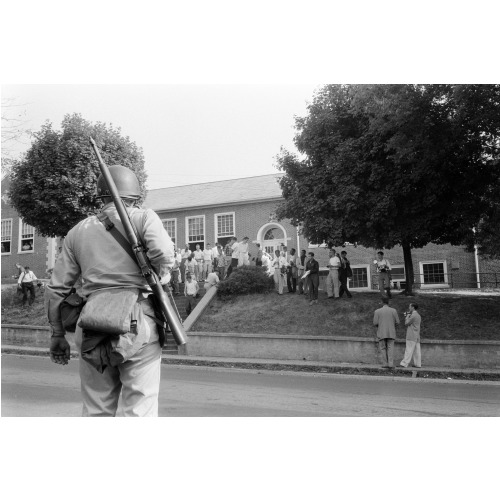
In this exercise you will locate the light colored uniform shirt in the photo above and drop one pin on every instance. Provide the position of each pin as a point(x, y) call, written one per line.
point(90, 251)
point(413, 322)
point(27, 277)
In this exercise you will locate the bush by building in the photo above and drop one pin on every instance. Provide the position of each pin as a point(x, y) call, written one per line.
point(245, 280)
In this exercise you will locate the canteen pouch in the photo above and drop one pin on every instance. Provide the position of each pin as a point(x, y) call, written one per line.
point(111, 311)
point(70, 309)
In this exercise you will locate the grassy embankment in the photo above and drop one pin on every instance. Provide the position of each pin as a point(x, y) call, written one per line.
point(445, 316)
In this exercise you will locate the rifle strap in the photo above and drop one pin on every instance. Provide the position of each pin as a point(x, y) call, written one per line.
point(113, 230)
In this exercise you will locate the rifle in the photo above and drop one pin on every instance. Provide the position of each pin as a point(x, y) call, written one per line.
point(169, 315)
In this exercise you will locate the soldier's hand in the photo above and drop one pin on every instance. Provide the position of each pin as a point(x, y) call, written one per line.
point(59, 350)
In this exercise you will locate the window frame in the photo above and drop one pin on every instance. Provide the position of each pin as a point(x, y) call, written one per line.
point(433, 285)
point(216, 226)
point(20, 239)
point(200, 242)
point(368, 276)
point(11, 220)
point(175, 235)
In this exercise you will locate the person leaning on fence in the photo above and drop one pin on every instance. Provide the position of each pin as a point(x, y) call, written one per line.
point(385, 320)
point(112, 364)
point(191, 289)
point(25, 281)
point(212, 280)
point(413, 322)
point(383, 267)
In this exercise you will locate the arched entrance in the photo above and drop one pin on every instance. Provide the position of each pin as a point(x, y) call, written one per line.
point(272, 237)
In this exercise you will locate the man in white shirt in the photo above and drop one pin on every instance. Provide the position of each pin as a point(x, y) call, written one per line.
point(212, 280)
point(25, 282)
point(190, 291)
point(207, 261)
point(198, 256)
point(383, 268)
point(412, 321)
point(233, 245)
point(332, 280)
point(243, 252)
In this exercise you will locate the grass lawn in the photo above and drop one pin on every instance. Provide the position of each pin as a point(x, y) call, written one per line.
point(445, 316)
point(14, 314)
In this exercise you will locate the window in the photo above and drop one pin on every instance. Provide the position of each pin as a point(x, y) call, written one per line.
point(6, 236)
point(433, 274)
point(26, 237)
point(360, 277)
point(398, 273)
point(170, 226)
point(275, 233)
point(224, 227)
point(195, 229)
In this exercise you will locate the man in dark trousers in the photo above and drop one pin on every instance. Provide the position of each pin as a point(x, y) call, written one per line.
point(344, 273)
point(312, 278)
point(301, 269)
point(25, 281)
point(385, 320)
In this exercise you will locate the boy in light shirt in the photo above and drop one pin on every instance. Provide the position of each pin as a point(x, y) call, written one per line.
point(191, 289)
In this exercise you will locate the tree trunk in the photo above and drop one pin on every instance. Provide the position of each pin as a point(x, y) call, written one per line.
point(410, 278)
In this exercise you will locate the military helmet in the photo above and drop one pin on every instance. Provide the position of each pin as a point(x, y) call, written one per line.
point(125, 180)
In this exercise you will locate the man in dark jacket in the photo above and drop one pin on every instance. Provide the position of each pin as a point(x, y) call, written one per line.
point(312, 278)
point(344, 273)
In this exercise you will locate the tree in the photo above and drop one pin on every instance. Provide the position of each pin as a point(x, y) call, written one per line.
point(54, 186)
point(390, 165)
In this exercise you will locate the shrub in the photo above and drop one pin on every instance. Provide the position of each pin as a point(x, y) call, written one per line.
point(245, 280)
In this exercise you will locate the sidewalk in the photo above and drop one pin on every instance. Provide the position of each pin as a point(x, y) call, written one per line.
point(299, 366)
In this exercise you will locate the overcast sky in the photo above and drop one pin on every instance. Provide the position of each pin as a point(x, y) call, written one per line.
point(189, 133)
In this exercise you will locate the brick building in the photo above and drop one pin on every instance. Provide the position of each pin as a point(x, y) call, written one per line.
point(21, 243)
point(215, 211)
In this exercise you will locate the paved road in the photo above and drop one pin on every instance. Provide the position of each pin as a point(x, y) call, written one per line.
point(33, 386)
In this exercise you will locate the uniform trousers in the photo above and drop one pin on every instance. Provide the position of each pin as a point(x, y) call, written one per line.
point(386, 347)
point(333, 283)
point(137, 379)
point(412, 350)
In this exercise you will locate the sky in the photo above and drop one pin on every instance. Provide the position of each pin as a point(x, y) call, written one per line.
point(189, 133)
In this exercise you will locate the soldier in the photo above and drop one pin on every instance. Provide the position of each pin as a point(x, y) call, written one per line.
point(91, 252)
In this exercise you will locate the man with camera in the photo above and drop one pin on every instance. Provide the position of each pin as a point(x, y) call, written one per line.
point(412, 321)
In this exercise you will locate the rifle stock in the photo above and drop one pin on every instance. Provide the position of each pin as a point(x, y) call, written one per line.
point(147, 271)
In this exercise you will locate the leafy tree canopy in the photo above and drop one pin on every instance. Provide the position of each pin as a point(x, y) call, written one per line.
point(54, 186)
point(387, 165)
